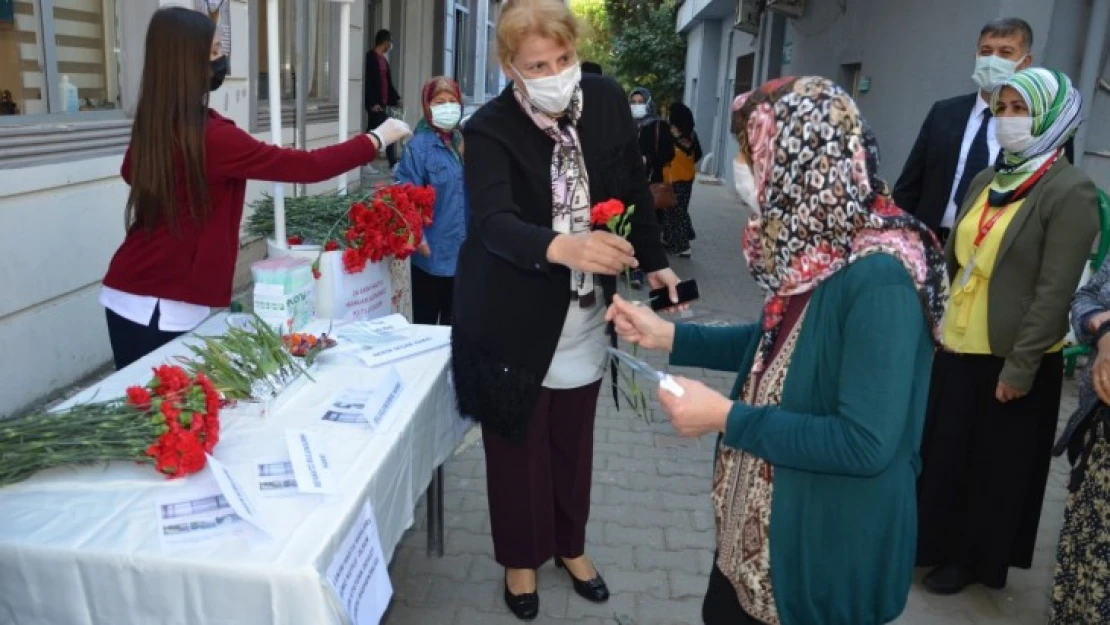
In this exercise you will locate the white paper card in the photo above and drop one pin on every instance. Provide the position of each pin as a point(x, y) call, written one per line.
point(384, 398)
point(359, 574)
point(409, 343)
point(311, 465)
point(239, 497)
point(275, 478)
point(349, 406)
point(196, 515)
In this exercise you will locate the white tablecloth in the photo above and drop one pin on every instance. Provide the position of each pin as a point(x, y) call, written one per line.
point(81, 547)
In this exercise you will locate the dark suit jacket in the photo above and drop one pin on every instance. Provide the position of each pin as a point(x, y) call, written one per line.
point(372, 84)
point(926, 182)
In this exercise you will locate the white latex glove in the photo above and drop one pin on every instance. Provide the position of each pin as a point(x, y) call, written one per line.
point(391, 131)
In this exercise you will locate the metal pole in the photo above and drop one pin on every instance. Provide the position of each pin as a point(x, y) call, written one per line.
point(300, 82)
point(273, 65)
point(435, 513)
point(344, 79)
point(1089, 71)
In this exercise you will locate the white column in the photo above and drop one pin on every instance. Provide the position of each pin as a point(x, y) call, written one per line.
point(273, 64)
point(344, 78)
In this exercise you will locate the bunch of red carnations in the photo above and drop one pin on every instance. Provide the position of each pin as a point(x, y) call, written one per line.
point(391, 224)
point(172, 423)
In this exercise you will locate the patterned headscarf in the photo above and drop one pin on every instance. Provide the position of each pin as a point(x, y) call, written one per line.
point(1057, 110)
point(822, 204)
point(570, 184)
point(433, 87)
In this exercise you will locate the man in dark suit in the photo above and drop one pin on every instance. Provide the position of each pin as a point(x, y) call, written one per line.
point(378, 90)
point(957, 140)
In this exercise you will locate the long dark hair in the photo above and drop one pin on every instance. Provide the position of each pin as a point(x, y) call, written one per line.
point(167, 137)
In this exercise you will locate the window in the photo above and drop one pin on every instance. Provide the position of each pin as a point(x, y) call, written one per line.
point(319, 50)
point(57, 57)
point(465, 34)
point(493, 62)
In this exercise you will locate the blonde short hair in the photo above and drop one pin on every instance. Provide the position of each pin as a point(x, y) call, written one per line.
point(550, 19)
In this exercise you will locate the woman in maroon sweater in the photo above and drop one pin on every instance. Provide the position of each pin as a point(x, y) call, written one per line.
point(188, 168)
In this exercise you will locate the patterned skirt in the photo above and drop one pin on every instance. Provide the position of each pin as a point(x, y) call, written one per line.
point(1081, 592)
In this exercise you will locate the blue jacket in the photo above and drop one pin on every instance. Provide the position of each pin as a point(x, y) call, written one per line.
point(427, 161)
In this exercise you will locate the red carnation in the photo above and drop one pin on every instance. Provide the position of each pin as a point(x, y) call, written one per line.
point(138, 397)
point(331, 246)
point(295, 240)
point(603, 212)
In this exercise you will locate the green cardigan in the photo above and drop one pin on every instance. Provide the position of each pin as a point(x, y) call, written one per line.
point(844, 442)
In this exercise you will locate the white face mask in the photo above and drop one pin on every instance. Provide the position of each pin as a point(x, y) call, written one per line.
point(552, 94)
point(1014, 134)
point(745, 186)
point(446, 116)
point(991, 71)
point(639, 111)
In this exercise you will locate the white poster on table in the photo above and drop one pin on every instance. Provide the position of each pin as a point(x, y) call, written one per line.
point(359, 574)
point(311, 464)
point(407, 343)
point(275, 478)
point(195, 514)
point(240, 498)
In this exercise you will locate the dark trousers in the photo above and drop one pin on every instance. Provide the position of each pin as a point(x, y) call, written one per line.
point(431, 298)
point(539, 492)
point(375, 119)
point(131, 341)
point(721, 605)
point(678, 230)
point(985, 466)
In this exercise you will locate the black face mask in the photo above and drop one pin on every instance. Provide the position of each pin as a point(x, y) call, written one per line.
point(219, 73)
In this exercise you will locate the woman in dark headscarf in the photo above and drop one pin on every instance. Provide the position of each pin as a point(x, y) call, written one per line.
point(656, 146)
point(677, 227)
point(813, 489)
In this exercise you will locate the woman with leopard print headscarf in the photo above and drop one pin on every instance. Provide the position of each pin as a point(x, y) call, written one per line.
point(816, 463)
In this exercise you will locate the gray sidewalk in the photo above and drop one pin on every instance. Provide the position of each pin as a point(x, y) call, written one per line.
point(651, 527)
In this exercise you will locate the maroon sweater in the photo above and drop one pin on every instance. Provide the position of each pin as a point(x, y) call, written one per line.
point(197, 264)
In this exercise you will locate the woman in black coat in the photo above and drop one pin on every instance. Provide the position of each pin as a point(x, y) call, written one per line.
point(529, 335)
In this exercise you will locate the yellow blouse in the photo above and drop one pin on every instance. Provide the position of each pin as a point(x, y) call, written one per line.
point(965, 320)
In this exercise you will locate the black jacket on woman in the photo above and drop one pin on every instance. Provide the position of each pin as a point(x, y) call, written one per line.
point(510, 303)
point(657, 147)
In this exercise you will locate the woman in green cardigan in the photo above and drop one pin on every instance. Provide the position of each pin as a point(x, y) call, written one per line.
point(814, 482)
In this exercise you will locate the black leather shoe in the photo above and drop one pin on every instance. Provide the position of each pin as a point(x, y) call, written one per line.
point(525, 607)
point(948, 579)
point(591, 590)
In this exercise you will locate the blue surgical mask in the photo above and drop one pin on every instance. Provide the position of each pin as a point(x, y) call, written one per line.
point(446, 116)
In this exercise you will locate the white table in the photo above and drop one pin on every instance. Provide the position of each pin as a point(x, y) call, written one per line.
point(80, 546)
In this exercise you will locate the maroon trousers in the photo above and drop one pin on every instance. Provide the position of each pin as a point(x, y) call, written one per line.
point(539, 492)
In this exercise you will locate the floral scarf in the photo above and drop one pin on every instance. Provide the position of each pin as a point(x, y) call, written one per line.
point(822, 204)
point(1057, 110)
point(570, 184)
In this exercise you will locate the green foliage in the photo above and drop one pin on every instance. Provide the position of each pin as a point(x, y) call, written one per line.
point(635, 41)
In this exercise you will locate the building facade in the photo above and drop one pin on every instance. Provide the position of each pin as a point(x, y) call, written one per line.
point(69, 75)
point(897, 57)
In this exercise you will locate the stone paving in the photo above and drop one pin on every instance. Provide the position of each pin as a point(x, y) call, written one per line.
point(651, 527)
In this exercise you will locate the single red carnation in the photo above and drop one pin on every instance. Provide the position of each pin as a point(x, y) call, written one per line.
point(138, 397)
point(295, 240)
point(602, 212)
point(331, 246)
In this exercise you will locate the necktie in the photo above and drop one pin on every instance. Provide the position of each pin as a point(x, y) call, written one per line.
point(978, 157)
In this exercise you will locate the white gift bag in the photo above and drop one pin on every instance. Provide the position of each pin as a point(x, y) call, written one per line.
point(367, 294)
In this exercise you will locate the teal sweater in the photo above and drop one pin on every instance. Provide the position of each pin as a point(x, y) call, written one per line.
point(844, 442)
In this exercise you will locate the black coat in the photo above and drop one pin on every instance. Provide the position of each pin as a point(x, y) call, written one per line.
point(657, 146)
point(372, 84)
point(925, 186)
point(510, 303)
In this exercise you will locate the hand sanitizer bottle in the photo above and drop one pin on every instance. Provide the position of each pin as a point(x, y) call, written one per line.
point(70, 101)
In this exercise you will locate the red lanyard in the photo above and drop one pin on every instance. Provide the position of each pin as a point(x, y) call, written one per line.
point(985, 228)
